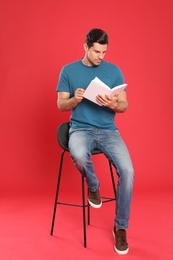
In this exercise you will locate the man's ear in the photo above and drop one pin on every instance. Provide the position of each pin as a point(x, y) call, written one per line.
point(85, 46)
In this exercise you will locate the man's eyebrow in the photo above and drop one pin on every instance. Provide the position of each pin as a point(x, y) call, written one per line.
point(100, 51)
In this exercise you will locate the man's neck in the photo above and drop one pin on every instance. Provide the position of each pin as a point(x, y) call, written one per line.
point(86, 62)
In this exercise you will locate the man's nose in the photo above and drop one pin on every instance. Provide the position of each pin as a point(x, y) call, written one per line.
point(101, 56)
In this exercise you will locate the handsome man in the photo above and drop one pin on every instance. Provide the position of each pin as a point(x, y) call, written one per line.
point(93, 126)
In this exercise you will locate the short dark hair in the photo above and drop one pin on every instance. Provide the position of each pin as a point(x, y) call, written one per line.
point(96, 35)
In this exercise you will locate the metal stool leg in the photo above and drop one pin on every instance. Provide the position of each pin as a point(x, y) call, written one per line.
point(83, 207)
point(57, 192)
point(112, 176)
point(88, 207)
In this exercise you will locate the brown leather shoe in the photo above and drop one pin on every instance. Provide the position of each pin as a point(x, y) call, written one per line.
point(121, 245)
point(94, 199)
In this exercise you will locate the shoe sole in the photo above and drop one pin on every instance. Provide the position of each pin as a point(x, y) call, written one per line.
point(95, 205)
point(124, 252)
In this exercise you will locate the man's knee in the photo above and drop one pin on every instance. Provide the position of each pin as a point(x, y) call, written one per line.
point(79, 155)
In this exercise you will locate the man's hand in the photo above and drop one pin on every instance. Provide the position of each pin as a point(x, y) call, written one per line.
point(117, 103)
point(79, 94)
point(106, 100)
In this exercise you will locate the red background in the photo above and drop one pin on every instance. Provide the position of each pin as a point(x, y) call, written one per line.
point(37, 39)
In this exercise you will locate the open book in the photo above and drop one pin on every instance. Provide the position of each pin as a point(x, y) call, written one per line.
point(97, 87)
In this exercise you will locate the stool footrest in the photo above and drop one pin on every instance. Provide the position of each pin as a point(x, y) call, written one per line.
point(71, 204)
point(105, 199)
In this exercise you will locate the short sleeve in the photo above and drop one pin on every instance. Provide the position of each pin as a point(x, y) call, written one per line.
point(63, 83)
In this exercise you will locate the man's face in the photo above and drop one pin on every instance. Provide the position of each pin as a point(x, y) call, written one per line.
point(95, 54)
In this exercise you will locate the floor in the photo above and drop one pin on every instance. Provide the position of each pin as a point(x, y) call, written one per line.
point(26, 220)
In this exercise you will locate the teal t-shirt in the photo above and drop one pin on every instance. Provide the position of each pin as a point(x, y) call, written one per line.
point(86, 113)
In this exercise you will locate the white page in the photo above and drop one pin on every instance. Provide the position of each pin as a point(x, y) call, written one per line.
point(97, 87)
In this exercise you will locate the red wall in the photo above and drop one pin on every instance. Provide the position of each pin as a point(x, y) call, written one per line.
point(37, 39)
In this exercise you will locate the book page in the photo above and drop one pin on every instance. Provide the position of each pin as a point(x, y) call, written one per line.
point(97, 87)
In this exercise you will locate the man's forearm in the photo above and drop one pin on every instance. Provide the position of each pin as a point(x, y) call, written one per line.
point(120, 106)
point(67, 104)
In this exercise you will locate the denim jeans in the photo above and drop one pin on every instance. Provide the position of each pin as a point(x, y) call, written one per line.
point(81, 143)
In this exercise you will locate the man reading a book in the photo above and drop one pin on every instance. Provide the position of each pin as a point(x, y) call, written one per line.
point(92, 125)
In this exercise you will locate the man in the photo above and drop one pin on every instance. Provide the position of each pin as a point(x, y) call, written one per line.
point(93, 126)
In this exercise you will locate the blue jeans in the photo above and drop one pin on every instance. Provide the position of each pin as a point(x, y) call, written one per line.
point(81, 143)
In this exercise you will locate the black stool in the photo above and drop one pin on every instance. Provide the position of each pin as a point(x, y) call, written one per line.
point(63, 137)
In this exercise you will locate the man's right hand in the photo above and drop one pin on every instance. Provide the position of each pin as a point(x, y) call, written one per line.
point(79, 94)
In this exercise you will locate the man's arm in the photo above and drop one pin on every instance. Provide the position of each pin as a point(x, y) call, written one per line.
point(118, 103)
point(65, 103)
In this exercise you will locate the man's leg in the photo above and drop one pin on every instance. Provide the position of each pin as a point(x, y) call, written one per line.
point(112, 145)
point(81, 143)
